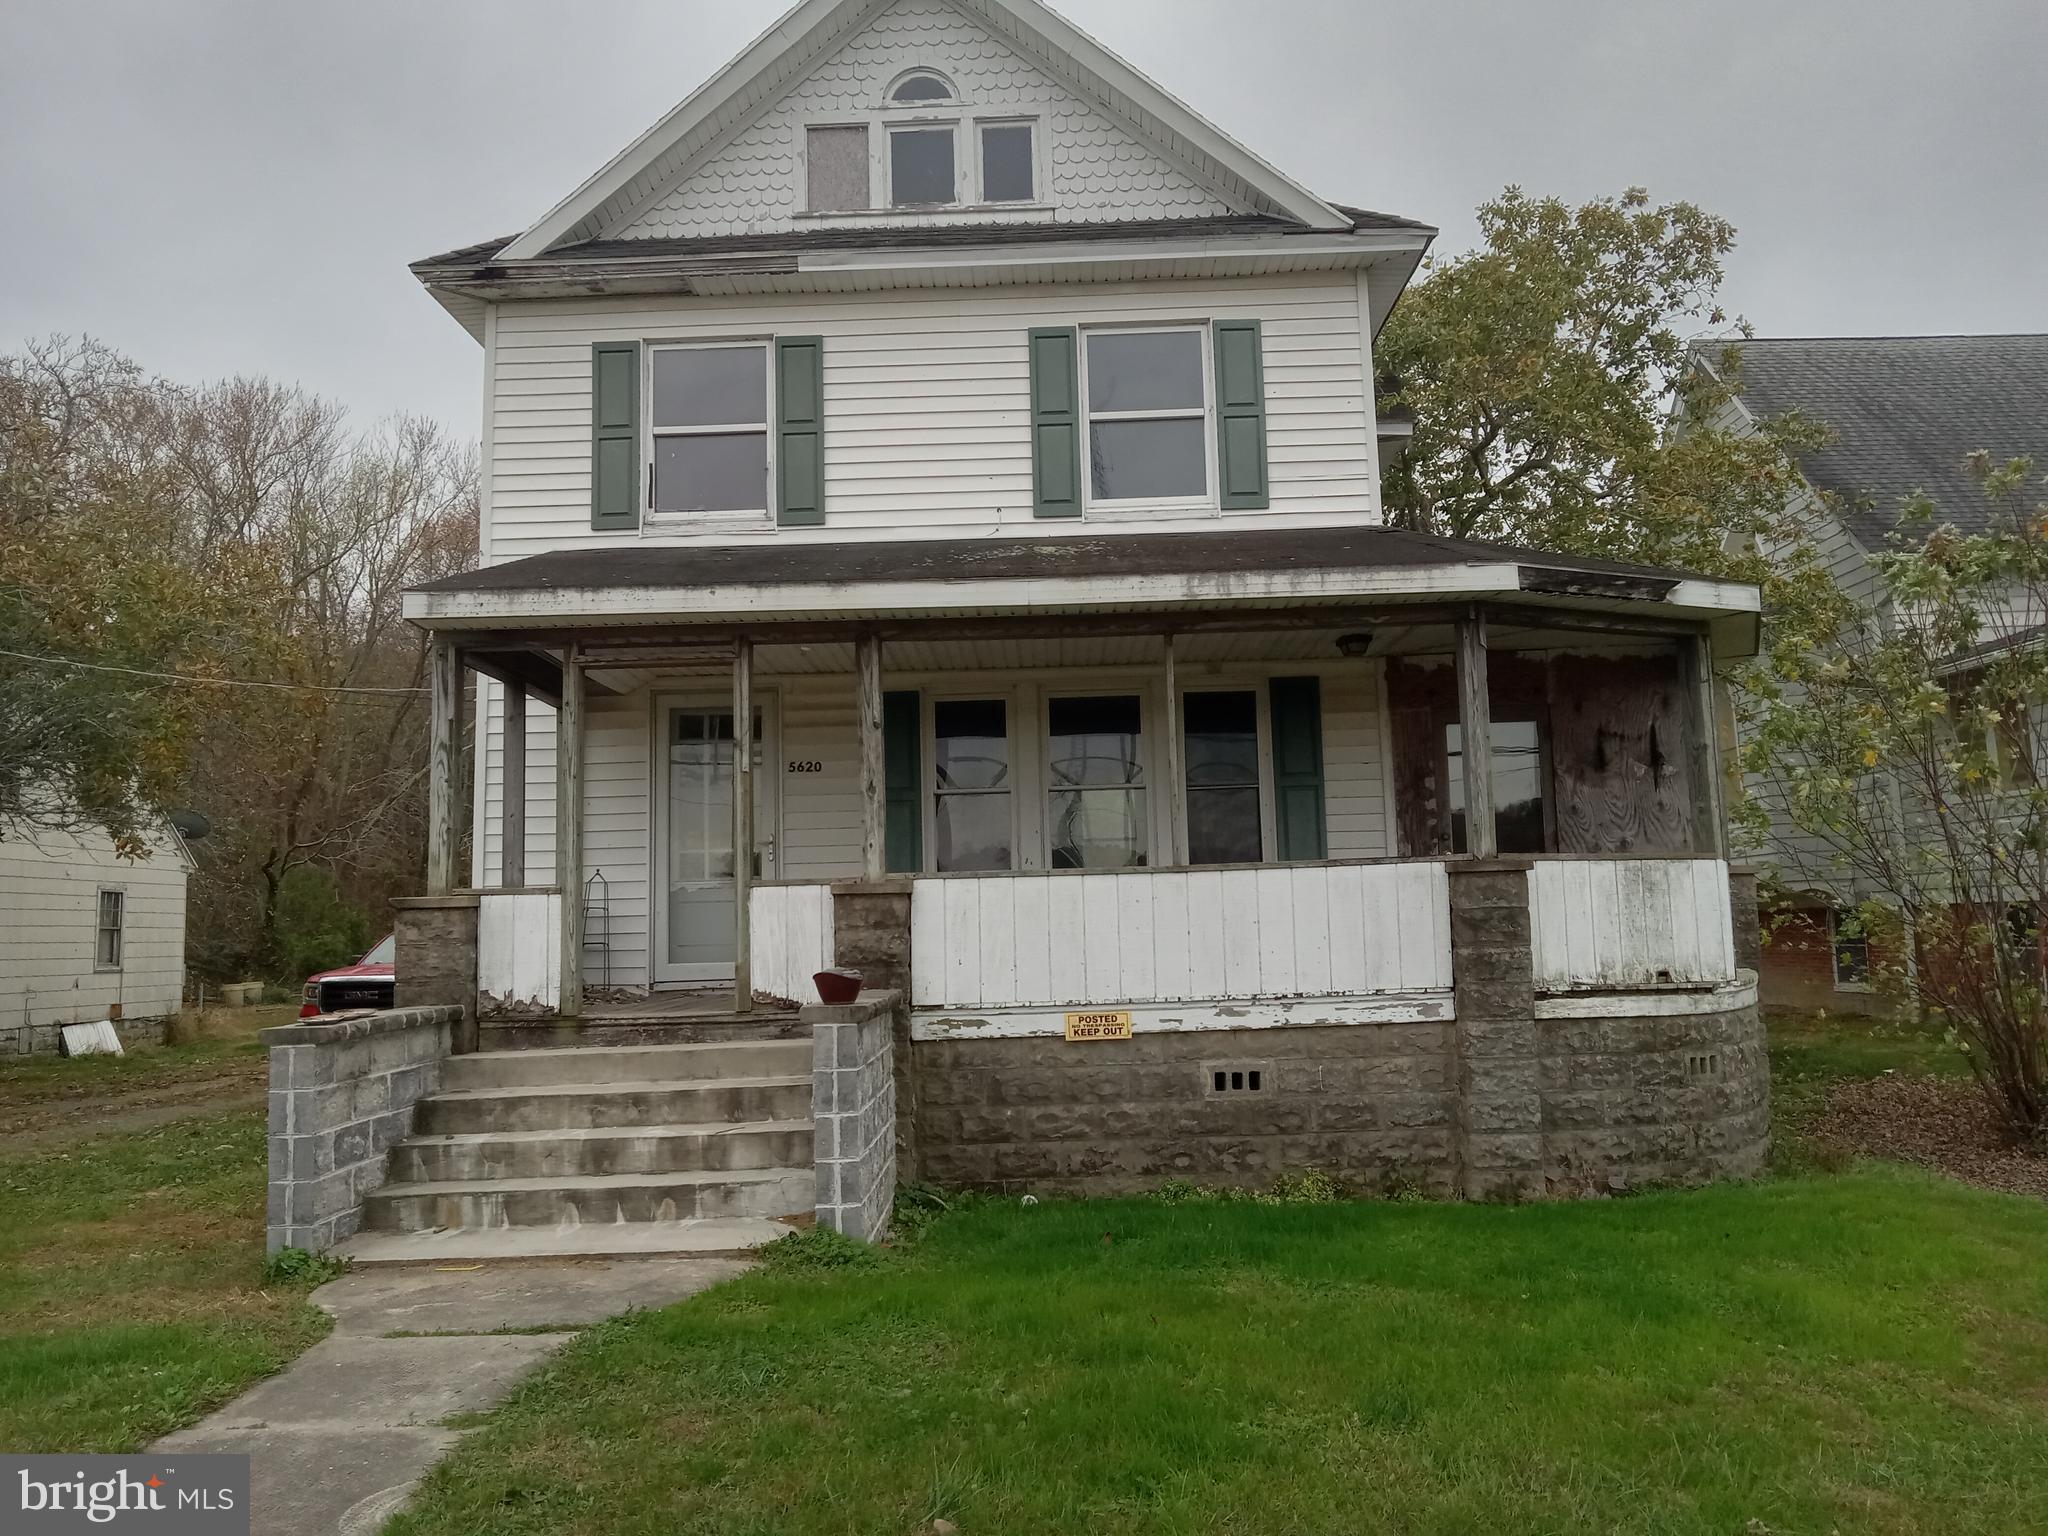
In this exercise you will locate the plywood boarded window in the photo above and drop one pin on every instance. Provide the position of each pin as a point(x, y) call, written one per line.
point(1590, 753)
point(836, 166)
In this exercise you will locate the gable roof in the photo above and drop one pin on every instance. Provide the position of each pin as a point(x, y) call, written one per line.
point(760, 74)
point(1906, 412)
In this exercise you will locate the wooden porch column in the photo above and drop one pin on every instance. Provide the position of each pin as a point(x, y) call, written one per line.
point(444, 666)
point(1176, 771)
point(874, 826)
point(569, 828)
point(1475, 730)
point(743, 823)
point(1710, 827)
point(512, 820)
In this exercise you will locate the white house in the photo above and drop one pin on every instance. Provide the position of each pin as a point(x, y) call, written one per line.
point(940, 463)
point(86, 934)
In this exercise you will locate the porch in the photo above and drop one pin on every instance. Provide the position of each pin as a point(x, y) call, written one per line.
point(1417, 873)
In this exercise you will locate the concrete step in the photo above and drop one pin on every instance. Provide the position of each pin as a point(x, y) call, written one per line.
point(614, 1106)
point(592, 1200)
point(617, 1240)
point(639, 1149)
point(627, 1064)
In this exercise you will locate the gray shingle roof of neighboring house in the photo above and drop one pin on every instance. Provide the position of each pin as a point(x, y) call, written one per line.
point(1907, 411)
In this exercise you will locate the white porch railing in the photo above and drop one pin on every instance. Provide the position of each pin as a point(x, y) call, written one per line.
point(519, 951)
point(1606, 923)
point(789, 938)
point(1047, 940)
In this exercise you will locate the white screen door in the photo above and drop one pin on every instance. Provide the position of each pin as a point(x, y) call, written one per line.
point(695, 923)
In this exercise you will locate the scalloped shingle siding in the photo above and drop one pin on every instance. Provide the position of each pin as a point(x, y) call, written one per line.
point(755, 184)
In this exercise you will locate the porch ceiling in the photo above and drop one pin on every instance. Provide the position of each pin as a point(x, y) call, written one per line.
point(1367, 573)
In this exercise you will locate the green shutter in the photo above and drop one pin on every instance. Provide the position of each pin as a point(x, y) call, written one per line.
point(1055, 424)
point(1297, 706)
point(800, 431)
point(615, 434)
point(1241, 416)
point(902, 777)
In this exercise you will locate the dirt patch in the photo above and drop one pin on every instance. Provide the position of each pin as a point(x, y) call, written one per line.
point(1935, 1122)
point(54, 1122)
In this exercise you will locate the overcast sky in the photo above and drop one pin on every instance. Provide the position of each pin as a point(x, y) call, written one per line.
point(221, 186)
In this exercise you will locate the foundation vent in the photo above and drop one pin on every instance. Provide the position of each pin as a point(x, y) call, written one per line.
point(1705, 1065)
point(1235, 1078)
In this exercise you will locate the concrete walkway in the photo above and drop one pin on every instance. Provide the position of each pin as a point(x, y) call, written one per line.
point(342, 1437)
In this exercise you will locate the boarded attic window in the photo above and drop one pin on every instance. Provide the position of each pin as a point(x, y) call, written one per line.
point(836, 166)
point(916, 89)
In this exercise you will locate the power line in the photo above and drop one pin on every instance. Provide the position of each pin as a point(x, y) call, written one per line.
point(211, 682)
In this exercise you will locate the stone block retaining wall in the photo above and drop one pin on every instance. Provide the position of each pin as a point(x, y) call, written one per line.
point(1522, 1097)
point(853, 1112)
point(1371, 1101)
point(342, 1091)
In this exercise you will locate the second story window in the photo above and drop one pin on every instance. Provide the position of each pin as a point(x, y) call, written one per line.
point(1148, 414)
point(708, 415)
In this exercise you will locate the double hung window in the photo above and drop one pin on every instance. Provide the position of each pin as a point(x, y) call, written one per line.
point(1148, 414)
point(708, 415)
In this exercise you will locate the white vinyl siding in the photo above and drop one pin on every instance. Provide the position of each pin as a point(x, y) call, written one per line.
point(927, 417)
point(50, 908)
point(818, 836)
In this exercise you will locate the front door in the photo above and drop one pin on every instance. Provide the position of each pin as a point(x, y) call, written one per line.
point(695, 923)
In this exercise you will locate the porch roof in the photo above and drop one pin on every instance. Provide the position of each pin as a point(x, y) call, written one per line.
point(640, 584)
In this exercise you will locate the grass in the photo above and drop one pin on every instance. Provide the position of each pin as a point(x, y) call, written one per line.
point(132, 1297)
point(1858, 1353)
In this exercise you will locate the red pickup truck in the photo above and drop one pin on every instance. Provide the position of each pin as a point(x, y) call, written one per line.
point(372, 982)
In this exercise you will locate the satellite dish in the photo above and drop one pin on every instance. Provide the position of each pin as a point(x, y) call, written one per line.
point(191, 825)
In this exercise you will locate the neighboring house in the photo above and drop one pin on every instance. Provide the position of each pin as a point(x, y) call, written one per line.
point(938, 463)
point(1905, 414)
point(86, 934)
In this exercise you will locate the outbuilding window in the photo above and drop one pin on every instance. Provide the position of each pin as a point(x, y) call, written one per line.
point(107, 942)
point(708, 414)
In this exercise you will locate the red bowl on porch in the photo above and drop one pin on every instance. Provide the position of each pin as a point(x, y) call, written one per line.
point(837, 987)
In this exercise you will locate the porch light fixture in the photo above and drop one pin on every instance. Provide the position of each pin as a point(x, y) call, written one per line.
point(1355, 645)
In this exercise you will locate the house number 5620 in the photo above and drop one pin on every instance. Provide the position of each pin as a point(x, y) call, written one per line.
point(805, 765)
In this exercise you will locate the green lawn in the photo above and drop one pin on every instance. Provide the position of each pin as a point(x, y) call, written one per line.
point(132, 1297)
point(1866, 1352)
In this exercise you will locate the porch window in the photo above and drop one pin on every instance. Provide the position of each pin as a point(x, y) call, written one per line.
point(113, 917)
point(709, 415)
point(1221, 733)
point(1097, 782)
point(1517, 785)
point(1148, 414)
point(972, 823)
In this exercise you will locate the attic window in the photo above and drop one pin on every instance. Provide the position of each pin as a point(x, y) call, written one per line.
point(919, 87)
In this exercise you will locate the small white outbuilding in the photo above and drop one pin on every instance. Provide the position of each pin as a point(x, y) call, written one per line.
point(86, 934)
